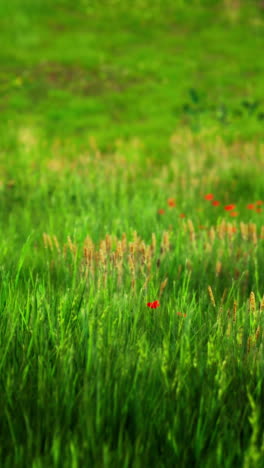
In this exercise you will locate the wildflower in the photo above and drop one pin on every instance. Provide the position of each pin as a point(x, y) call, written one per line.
point(153, 305)
point(250, 206)
point(215, 203)
point(229, 207)
point(259, 202)
point(234, 213)
point(182, 215)
point(161, 211)
point(181, 315)
point(209, 196)
point(171, 202)
point(258, 210)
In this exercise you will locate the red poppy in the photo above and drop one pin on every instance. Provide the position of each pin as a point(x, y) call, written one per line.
point(229, 207)
point(258, 210)
point(209, 196)
point(171, 202)
point(259, 202)
point(234, 213)
point(250, 206)
point(161, 211)
point(182, 215)
point(153, 305)
point(215, 203)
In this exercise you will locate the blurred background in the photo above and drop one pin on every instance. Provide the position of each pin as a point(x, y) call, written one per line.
point(103, 72)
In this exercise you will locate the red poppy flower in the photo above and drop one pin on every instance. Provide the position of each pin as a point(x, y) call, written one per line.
point(161, 211)
point(250, 206)
point(153, 305)
point(258, 210)
point(259, 202)
point(182, 215)
point(234, 213)
point(215, 203)
point(171, 202)
point(209, 196)
point(229, 207)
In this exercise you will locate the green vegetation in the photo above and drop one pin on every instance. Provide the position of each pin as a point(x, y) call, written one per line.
point(122, 126)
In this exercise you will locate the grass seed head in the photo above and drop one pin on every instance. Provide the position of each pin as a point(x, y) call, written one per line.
point(211, 295)
point(252, 302)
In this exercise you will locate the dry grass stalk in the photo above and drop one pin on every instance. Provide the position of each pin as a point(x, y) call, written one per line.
point(212, 234)
point(146, 282)
point(253, 232)
point(119, 250)
point(257, 333)
point(224, 296)
point(47, 241)
point(56, 242)
point(262, 305)
point(132, 248)
point(108, 242)
point(244, 230)
point(252, 302)
point(191, 230)
point(120, 273)
point(103, 245)
point(189, 264)
point(72, 246)
point(218, 267)
point(230, 231)
point(211, 295)
point(102, 257)
point(262, 232)
point(163, 285)
point(165, 242)
point(221, 229)
point(131, 264)
point(143, 250)
point(153, 242)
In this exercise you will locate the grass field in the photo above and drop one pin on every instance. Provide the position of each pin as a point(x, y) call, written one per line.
point(132, 234)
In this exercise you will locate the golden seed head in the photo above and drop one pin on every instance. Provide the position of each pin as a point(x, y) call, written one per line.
point(257, 333)
point(252, 302)
point(211, 295)
point(212, 234)
point(163, 285)
point(154, 241)
point(218, 267)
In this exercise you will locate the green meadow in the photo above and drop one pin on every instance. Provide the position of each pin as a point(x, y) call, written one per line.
point(132, 234)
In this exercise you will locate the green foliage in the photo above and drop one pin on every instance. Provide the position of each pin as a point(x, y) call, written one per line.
point(109, 109)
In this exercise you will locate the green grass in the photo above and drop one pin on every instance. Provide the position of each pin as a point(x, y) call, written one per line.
point(108, 110)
